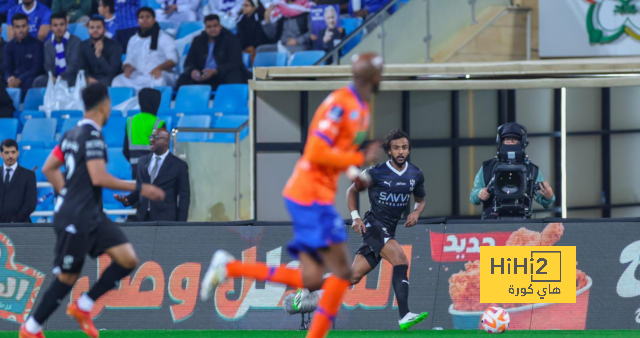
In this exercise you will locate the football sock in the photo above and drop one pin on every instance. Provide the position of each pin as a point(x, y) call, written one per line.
point(327, 310)
point(51, 300)
point(85, 303)
point(262, 272)
point(32, 326)
point(108, 280)
point(400, 283)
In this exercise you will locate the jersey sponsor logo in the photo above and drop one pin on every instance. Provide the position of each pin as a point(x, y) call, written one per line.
point(70, 145)
point(20, 284)
point(335, 114)
point(400, 183)
point(95, 133)
point(394, 200)
point(412, 183)
point(354, 115)
point(387, 183)
point(95, 144)
point(71, 229)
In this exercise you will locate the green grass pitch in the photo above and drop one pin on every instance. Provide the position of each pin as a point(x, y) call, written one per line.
point(333, 334)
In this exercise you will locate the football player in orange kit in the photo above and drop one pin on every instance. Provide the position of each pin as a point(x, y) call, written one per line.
point(319, 241)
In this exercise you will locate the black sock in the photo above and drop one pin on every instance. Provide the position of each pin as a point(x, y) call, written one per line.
point(401, 287)
point(51, 300)
point(108, 281)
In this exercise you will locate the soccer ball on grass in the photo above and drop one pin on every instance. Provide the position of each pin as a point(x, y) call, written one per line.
point(495, 320)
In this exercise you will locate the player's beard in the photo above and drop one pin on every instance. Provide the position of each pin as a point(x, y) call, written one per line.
point(395, 161)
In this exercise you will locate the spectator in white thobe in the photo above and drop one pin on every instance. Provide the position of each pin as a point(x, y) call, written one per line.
point(177, 11)
point(151, 56)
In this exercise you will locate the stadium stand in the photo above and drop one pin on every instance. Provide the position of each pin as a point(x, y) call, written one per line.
point(231, 99)
point(192, 100)
point(120, 94)
point(8, 129)
point(306, 58)
point(229, 122)
point(34, 99)
point(270, 59)
point(15, 94)
point(114, 131)
point(34, 158)
point(193, 121)
point(38, 133)
point(68, 124)
point(61, 115)
point(187, 28)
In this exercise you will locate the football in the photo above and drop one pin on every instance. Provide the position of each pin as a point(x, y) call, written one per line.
point(495, 320)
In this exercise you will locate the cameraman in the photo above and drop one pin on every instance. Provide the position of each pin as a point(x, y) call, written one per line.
point(510, 134)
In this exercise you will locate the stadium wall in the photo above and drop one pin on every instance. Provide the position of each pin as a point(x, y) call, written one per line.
point(163, 292)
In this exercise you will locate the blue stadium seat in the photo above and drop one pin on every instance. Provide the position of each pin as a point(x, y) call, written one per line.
point(62, 115)
point(38, 133)
point(114, 131)
point(165, 25)
point(15, 94)
point(350, 25)
point(120, 94)
point(306, 58)
point(229, 122)
point(5, 35)
point(188, 27)
point(270, 59)
point(45, 199)
point(168, 120)
point(193, 99)
point(231, 99)
point(194, 121)
point(79, 30)
point(246, 58)
point(165, 99)
point(8, 129)
point(27, 115)
point(150, 3)
point(69, 124)
point(124, 57)
point(34, 99)
point(118, 165)
point(34, 158)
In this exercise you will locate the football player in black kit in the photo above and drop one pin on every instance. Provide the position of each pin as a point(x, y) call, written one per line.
point(80, 224)
point(392, 184)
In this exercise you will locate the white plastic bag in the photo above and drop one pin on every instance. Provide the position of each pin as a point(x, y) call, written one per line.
point(127, 105)
point(58, 96)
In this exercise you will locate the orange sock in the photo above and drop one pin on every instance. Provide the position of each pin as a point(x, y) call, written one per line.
point(262, 272)
point(327, 310)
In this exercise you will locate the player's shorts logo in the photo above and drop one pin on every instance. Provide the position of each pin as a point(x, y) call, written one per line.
point(19, 284)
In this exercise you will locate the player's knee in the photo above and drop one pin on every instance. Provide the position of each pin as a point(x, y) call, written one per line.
point(355, 279)
point(129, 262)
point(67, 278)
point(313, 283)
point(343, 273)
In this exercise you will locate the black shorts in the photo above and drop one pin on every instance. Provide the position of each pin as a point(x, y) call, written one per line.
point(373, 240)
point(75, 242)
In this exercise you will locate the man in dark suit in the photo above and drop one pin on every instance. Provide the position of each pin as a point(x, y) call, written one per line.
point(214, 58)
point(18, 194)
point(167, 172)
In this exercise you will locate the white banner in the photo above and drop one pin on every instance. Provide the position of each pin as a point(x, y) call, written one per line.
point(574, 28)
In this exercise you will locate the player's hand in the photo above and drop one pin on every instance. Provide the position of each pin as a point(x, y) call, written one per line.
point(122, 199)
point(128, 69)
point(545, 190)
point(99, 46)
point(91, 80)
point(372, 152)
point(152, 192)
point(292, 42)
point(412, 219)
point(484, 195)
point(358, 226)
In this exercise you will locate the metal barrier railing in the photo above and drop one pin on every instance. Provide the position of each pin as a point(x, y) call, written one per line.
point(236, 132)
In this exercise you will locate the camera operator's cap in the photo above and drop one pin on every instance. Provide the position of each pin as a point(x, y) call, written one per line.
point(511, 130)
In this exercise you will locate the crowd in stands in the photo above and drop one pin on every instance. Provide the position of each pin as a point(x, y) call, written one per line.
point(132, 45)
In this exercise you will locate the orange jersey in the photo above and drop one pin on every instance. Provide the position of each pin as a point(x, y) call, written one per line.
point(335, 134)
